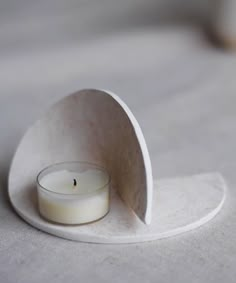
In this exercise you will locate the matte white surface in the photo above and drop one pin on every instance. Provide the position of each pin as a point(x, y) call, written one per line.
point(179, 205)
point(181, 90)
point(94, 126)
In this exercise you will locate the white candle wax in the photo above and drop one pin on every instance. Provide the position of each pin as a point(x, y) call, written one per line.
point(70, 197)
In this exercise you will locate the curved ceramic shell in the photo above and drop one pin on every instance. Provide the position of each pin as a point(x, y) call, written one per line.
point(89, 125)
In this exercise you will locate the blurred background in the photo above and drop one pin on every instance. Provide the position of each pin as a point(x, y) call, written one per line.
point(27, 25)
point(71, 38)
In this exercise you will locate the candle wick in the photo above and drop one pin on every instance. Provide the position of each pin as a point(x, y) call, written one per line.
point(75, 182)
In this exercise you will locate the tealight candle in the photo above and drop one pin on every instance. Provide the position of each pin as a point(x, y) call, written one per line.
point(73, 193)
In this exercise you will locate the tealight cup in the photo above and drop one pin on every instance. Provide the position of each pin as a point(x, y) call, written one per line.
point(73, 193)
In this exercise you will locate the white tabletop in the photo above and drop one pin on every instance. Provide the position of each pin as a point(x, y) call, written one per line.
point(182, 91)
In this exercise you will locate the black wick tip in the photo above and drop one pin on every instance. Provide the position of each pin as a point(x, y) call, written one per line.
point(75, 182)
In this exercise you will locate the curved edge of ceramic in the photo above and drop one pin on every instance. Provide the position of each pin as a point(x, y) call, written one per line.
point(144, 149)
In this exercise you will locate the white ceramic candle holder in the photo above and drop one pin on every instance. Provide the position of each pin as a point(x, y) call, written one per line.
point(97, 126)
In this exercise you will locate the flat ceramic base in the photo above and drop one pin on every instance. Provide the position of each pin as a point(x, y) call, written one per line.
point(179, 205)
